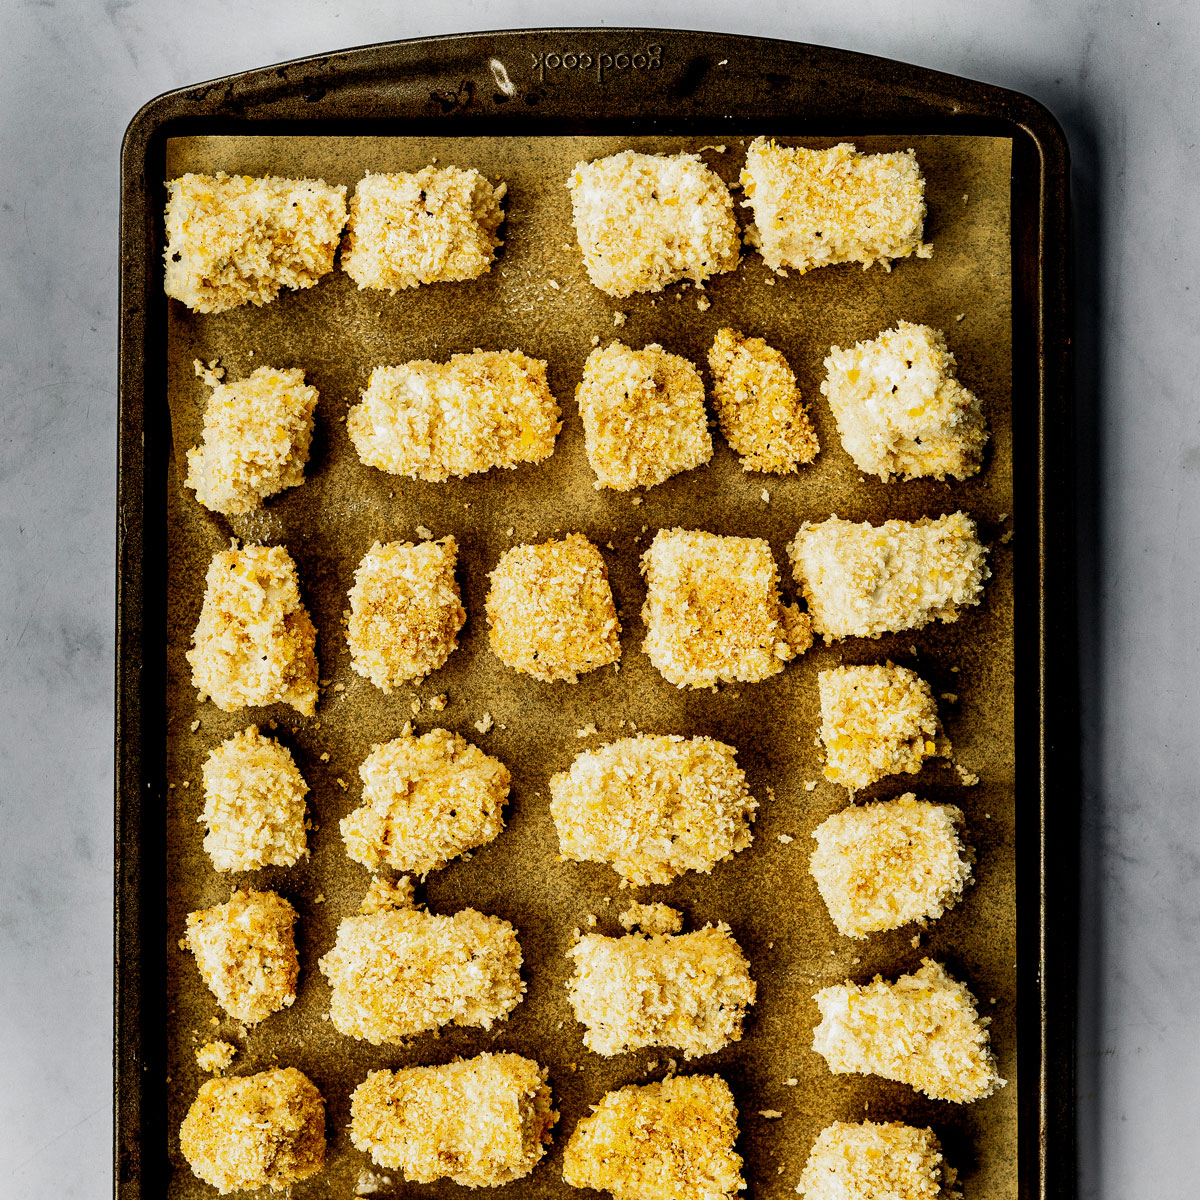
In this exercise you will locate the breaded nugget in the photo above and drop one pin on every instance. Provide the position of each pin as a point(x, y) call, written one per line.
point(253, 804)
point(643, 416)
point(405, 611)
point(877, 721)
point(254, 643)
point(397, 971)
point(874, 1161)
point(428, 420)
point(713, 612)
point(900, 409)
point(922, 1030)
point(672, 1140)
point(814, 208)
point(214, 1058)
point(758, 404)
point(434, 225)
point(479, 1121)
point(255, 442)
point(234, 240)
point(653, 806)
point(647, 220)
point(882, 865)
point(426, 800)
point(689, 991)
point(862, 580)
point(550, 610)
point(264, 1130)
point(652, 918)
point(246, 953)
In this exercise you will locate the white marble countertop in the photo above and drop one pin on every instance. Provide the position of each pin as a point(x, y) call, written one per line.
point(1122, 80)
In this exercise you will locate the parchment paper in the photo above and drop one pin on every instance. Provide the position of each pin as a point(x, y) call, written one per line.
point(337, 334)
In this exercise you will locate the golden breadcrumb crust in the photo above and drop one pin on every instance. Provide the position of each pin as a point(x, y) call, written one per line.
point(874, 1161)
point(922, 1030)
point(426, 800)
point(479, 1121)
point(429, 420)
point(643, 416)
point(434, 225)
point(815, 208)
point(253, 804)
point(254, 643)
point(405, 611)
point(689, 990)
point(234, 240)
point(653, 806)
point(644, 221)
point(246, 953)
point(264, 1130)
point(214, 1057)
point(652, 918)
point(255, 441)
point(758, 404)
point(550, 610)
point(863, 580)
point(875, 721)
point(672, 1140)
point(900, 409)
point(882, 865)
point(713, 612)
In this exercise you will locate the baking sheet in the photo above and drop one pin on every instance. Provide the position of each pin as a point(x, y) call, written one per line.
point(337, 334)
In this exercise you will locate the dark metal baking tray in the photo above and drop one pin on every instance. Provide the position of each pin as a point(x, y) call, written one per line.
point(635, 82)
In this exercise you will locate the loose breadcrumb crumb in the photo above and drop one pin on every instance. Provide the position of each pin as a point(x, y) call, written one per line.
point(652, 918)
point(644, 221)
point(214, 1057)
point(713, 611)
point(426, 800)
point(815, 208)
point(922, 1030)
point(264, 1130)
point(429, 420)
point(435, 225)
point(653, 806)
point(672, 1140)
point(873, 1161)
point(900, 409)
point(758, 405)
point(480, 1121)
point(643, 416)
point(550, 610)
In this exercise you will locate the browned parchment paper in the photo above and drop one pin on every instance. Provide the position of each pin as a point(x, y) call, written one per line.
point(337, 334)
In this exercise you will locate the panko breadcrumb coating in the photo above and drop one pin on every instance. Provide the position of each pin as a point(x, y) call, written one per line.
point(863, 580)
point(255, 643)
point(399, 971)
point(550, 610)
point(814, 208)
point(426, 800)
point(429, 420)
point(689, 990)
point(758, 404)
point(253, 804)
point(647, 220)
point(480, 1121)
point(246, 953)
point(882, 865)
point(653, 806)
point(234, 240)
point(900, 409)
point(652, 918)
point(264, 1130)
point(255, 442)
point(434, 225)
point(214, 1057)
point(877, 721)
point(405, 611)
point(922, 1030)
point(713, 612)
point(672, 1140)
point(874, 1161)
point(643, 416)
